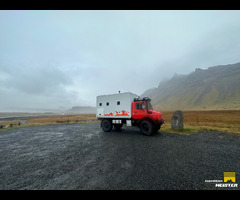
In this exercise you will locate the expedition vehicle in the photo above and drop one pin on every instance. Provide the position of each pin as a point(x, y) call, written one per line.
point(128, 108)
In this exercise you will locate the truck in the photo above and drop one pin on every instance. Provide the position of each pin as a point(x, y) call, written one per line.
point(115, 110)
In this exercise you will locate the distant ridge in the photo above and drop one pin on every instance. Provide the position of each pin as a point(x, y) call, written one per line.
point(82, 110)
point(217, 87)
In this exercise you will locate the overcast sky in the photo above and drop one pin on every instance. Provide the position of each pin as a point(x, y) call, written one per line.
point(55, 59)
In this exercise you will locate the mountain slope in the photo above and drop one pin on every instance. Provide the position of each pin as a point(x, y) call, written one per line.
point(214, 88)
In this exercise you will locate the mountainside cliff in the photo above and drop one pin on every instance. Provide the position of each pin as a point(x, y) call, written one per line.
point(217, 87)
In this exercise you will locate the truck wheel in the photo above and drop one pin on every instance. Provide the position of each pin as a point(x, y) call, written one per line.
point(118, 126)
point(146, 128)
point(106, 125)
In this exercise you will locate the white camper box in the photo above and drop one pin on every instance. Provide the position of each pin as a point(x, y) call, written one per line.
point(115, 105)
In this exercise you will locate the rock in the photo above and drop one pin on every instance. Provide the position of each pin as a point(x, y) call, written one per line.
point(177, 120)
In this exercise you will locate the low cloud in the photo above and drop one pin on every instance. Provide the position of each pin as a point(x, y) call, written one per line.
point(34, 87)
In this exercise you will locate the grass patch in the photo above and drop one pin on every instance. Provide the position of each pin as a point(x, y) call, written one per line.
point(186, 131)
point(50, 120)
point(212, 120)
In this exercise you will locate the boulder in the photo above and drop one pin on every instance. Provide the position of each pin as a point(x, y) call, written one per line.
point(177, 120)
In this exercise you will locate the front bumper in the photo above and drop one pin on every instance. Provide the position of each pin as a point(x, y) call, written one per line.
point(160, 122)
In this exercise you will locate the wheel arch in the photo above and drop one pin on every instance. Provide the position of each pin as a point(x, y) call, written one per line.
point(147, 119)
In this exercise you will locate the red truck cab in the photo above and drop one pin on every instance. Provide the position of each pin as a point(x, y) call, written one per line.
point(143, 114)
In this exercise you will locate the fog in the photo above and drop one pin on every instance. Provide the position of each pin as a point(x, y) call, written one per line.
point(58, 59)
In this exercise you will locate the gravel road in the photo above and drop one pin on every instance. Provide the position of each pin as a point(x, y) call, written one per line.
point(82, 156)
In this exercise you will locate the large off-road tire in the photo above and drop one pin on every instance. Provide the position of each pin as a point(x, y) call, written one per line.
point(146, 128)
point(106, 125)
point(118, 126)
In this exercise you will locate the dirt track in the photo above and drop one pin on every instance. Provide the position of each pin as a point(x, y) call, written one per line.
point(81, 156)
